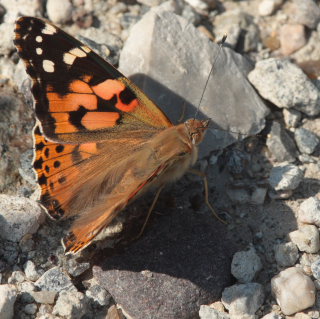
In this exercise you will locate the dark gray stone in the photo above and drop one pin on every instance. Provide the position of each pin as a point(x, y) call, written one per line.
point(280, 144)
point(181, 262)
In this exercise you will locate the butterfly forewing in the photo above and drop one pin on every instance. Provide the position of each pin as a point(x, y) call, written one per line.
point(76, 91)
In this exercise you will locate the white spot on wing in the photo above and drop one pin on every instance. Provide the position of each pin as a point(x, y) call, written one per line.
point(48, 66)
point(69, 58)
point(85, 48)
point(39, 38)
point(78, 52)
point(39, 51)
point(49, 29)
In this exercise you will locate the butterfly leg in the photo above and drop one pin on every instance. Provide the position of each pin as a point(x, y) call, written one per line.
point(149, 212)
point(206, 192)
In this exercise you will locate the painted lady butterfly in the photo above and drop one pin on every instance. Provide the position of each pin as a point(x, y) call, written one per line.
point(99, 141)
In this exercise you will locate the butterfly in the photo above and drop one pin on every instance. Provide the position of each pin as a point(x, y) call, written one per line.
point(99, 141)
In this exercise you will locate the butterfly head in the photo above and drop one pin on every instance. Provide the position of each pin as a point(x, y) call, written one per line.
point(196, 129)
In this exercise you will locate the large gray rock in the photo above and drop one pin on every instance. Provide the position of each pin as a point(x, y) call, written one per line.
point(171, 60)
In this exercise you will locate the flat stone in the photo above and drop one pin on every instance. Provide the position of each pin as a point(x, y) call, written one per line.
point(293, 290)
point(284, 177)
point(177, 75)
point(44, 297)
point(19, 216)
point(176, 267)
point(285, 85)
point(207, 312)
point(315, 268)
point(55, 279)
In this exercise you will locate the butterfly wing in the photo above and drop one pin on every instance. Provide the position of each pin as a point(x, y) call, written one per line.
point(79, 97)
point(92, 123)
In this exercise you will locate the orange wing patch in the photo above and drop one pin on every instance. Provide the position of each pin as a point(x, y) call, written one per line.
point(56, 165)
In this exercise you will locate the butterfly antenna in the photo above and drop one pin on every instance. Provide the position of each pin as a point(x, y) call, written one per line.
point(212, 67)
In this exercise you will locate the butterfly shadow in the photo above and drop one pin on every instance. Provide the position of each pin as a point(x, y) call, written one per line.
point(179, 242)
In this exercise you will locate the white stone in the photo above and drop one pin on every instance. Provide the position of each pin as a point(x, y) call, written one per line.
point(294, 291)
point(17, 276)
point(285, 85)
point(59, 11)
point(245, 265)
point(71, 305)
point(8, 295)
point(267, 7)
point(19, 216)
point(284, 177)
point(286, 254)
point(309, 211)
point(30, 271)
point(243, 299)
point(306, 238)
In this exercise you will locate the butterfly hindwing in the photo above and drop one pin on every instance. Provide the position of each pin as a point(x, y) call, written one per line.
point(79, 96)
point(57, 165)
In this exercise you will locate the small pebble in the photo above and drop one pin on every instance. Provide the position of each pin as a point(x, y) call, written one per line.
point(99, 295)
point(71, 305)
point(207, 312)
point(293, 290)
point(292, 38)
point(306, 140)
point(59, 11)
point(291, 117)
point(245, 265)
point(286, 254)
point(76, 269)
point(306, 238)
point(315, 268)
point(243, 299)
point(30, 271)
point(30, 309)
point(285, 177)
point(309, 211)
point(267, 7)
point(16, 277)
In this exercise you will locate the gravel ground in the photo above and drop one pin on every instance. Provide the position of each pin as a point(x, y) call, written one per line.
point(261, 158)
